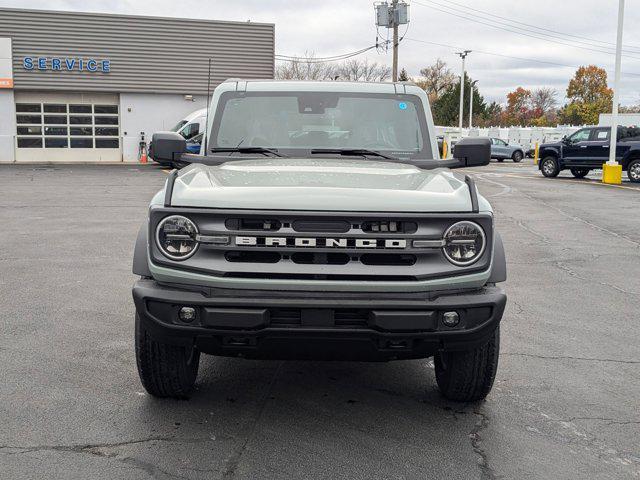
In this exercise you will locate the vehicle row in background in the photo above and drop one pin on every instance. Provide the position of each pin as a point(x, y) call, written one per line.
point(588, 148)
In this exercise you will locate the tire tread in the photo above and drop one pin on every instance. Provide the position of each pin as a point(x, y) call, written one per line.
point(165, 370)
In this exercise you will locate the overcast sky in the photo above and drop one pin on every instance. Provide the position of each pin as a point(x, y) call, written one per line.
point(331, 27)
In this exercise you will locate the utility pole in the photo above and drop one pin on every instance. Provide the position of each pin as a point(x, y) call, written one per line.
point(394, 6)
point(612, 170)
point(462, 55)
point(473, 84)
point(392, 16)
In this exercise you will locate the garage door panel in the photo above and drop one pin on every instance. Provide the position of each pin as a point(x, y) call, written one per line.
point(66, 128)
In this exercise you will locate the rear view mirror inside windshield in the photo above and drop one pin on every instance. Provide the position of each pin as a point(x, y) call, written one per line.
point(316, 104)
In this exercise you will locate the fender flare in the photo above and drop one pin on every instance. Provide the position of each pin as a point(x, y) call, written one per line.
point(499, 268)
point(140, 262)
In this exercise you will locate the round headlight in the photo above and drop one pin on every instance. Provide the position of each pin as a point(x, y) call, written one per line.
point(176, 237)
point(464, 243)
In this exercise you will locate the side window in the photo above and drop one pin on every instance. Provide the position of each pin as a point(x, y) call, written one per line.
point(581, 135)
point(190, 130)
point(600, 134)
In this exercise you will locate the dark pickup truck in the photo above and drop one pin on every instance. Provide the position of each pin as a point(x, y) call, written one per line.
point(588, 148)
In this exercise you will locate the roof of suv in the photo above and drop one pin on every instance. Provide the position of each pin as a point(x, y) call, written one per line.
point(323, 86)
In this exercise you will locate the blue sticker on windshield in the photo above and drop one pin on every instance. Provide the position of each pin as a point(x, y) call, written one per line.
point(402, 106)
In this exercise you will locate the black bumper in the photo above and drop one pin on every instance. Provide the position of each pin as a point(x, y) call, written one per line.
point(302, 325)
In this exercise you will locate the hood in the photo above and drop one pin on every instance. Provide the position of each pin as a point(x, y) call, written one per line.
point(320, 184)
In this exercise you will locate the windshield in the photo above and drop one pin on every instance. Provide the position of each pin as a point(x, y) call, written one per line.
point(179, 125)
point(298, 122)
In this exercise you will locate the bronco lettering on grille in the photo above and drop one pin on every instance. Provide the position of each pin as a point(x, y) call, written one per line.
point(324, 242)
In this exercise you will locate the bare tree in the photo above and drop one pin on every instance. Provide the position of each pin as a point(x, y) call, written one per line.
point(308, 67)
point(544, 100)
point(436, 79)
point(305, 68)
point(363, 71)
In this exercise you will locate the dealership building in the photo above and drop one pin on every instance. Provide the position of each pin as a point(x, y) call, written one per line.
point(85, 87)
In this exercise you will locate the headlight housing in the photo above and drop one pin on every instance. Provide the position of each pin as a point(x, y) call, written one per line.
point(176, 237)
point(464, 243)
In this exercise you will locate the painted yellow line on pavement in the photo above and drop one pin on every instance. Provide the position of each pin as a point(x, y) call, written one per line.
point(571, 180)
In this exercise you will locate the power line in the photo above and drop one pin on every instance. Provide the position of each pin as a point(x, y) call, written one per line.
point(484, 52)
point(294, 58)
point(536, 27)
point(497, 26)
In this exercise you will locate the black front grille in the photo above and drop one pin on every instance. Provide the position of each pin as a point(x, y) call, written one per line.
point(319, 246)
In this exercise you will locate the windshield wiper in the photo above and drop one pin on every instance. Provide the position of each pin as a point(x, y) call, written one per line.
point(353, 151)
point(262, 150)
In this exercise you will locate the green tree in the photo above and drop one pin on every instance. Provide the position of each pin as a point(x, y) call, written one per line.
point(404, 76)
point(446, 108)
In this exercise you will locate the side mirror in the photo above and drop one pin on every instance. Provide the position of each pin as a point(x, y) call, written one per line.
point(473, 152)
point(167, 146)
point(565, 139)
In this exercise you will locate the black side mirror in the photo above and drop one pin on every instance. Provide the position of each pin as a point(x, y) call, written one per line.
point(167, 146)
point(565, 139)
point(473, 152)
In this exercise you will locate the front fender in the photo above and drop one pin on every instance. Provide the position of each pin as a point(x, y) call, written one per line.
point(140, 262)
point(549, 151)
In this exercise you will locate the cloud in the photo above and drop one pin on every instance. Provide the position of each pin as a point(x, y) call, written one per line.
point(332, 27)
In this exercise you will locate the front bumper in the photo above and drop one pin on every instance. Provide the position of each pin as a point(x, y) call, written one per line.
point(304, 325)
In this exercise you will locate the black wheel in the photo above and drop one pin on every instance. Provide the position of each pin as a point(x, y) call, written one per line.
point(633, 171)
point(467, 376)
point(549, 167)
point(580, 172)
point(165, 370)
point(517, 156)
point(500, 159)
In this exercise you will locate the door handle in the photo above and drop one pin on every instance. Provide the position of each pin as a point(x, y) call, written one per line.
point(583, 146)
point(605, 146)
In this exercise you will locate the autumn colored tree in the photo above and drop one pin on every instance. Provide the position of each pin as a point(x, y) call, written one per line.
point(589, 96)
point(519, 108)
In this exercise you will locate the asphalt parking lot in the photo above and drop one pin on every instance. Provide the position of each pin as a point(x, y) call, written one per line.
point(565, 403)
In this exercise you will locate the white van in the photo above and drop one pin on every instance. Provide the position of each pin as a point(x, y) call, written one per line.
point(192, 124)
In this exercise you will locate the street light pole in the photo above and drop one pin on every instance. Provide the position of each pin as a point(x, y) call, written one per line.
point(462, 55)
point(473, 84)
point(612, 171)
point(616, 86)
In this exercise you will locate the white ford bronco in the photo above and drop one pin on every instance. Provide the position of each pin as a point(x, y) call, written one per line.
point(319, 223)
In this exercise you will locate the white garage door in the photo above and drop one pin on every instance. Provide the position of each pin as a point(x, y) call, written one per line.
point(67, 128)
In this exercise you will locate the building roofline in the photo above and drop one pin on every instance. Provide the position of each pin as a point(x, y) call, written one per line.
point(123, 15)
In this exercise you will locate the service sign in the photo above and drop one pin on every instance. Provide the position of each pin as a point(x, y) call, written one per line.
point(67, 64)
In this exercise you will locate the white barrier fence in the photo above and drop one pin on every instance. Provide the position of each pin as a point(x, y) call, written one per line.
point(526, 137)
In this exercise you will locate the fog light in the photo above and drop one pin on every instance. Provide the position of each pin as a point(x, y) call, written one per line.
point(187, 314)
point(450, 319)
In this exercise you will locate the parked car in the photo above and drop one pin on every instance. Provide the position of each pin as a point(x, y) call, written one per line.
point(501, 150)
point(335, 234)
point(588, 148)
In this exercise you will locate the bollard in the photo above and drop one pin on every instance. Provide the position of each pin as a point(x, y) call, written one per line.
point(536, 153)
point(444, 149)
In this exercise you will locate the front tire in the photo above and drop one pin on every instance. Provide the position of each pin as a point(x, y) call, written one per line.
point(549, 167)
point(517, 156)
point(633, 171)
point(468, 376)
point(165, 370)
